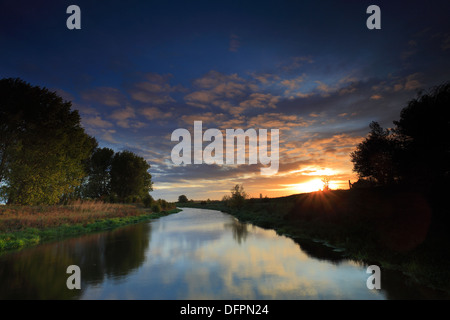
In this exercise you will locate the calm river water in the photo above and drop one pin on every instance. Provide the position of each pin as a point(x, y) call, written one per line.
point(195, 254)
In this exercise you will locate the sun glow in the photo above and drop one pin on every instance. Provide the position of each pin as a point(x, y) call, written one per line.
point(310, 186)
point(316, 184)
point(313, 171)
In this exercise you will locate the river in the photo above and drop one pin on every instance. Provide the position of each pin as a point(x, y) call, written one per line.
point(194, 254)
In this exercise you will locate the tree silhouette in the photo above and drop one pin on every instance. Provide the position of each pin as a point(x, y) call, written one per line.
point(416, 152)
point(424, 131)
point(238, 196)
point(326, 183)
point(375, 157)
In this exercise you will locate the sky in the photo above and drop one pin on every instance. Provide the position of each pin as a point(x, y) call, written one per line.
point(138, 70)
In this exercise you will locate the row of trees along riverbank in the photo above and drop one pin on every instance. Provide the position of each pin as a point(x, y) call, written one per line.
point(47, 158)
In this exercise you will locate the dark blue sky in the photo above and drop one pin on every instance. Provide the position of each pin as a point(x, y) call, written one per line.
point(137, 70)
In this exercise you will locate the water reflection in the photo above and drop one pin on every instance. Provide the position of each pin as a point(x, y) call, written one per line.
point(195, 254)
point(40, 272)
point(238, 229)
point(319, 251)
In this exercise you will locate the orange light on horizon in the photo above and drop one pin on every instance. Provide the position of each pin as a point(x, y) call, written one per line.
point(311, 186)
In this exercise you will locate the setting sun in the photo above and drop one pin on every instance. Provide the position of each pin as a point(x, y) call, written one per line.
point(316, 184)
point(310, 186)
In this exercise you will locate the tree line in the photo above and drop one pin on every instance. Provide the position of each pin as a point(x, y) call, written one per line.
point(415, 152)
point(414, 155)
point(46, 157)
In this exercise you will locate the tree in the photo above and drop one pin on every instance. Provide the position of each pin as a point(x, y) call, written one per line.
point(147, 200)
point(182, 199)
point(42, 145)
point(326, 183)
point(129, 176)
point(375, 157)
point(238, 196)
point(423, 130)
point(417, 151)
point(98, 183)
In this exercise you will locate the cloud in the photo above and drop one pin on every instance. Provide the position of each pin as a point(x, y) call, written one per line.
point(201, 99)
point(396, 84)
point(412, 82)
point(277, 121)
point(260, 100)
point(206, 118)
point(214, 78)
point(124, 118)
point(230, 93)
point(155, 89)
point(266, 78)
point(295, 63)
point(376, 97)
point(293, 84)
point(153, 113)
point(96, 122)
point(218, 90)
point(122, 114)
point(107, 135)
point(107, 96)
point(345, 85)
point(64, 94)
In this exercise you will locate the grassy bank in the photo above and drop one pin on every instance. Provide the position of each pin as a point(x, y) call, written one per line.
point(23, 226)
point(395, 229)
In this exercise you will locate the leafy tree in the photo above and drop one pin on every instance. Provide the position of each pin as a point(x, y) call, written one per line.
point(98, 183)
point(130, 176)
point(182, 199)
point(238, 196)
point(42, 145)
point(147, 200)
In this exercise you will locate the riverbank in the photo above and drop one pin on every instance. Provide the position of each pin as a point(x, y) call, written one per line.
point(393, 229)
point(24, 226)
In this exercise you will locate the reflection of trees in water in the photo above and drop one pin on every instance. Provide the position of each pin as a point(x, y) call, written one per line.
point(116, 253)
point(40, 272)
point(319, 251)
point(238, 229)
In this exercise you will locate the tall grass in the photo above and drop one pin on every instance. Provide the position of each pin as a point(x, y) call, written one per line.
point(22, 226)
point(17, 218)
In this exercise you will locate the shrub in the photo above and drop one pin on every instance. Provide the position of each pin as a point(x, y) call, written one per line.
point(147, 201)
point(156, 207)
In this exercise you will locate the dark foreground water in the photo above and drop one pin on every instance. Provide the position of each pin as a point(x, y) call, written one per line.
point(195, 254)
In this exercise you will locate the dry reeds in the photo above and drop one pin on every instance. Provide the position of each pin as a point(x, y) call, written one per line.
point(16, 218)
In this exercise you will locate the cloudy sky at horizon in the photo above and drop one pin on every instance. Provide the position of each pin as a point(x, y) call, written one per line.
point(136, 71)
